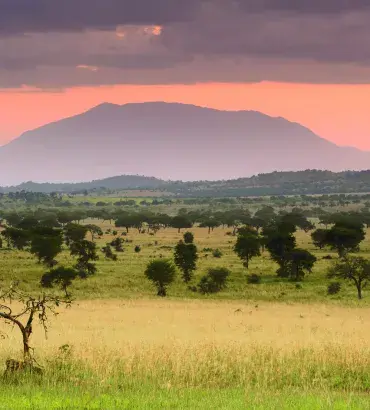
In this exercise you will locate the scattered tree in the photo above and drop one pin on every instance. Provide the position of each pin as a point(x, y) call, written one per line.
point(355, 269)
point(162, 273)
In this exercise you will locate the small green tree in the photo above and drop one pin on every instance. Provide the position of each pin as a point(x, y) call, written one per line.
point(248, 245)
point(186, 256)
point(108, 253)
point(181, 222)
point(345, 239)
point(319, 238)
point(300, 261)
point(355, 269)
point(74, 233)
point(117, 244)
point(16, 238)
point(94, 230)
point(162, 273)
point(85, 251)
point(46, 244)
point(60, 276)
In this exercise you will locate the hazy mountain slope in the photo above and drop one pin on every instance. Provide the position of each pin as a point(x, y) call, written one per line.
point(168, 141)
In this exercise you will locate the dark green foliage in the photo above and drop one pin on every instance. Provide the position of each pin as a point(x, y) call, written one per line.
point(188, 237)
point(345, 239)
point(298, 220)
point(46, 244)
point(181, 222)
point(299, 262)
point(94, 231)
point(108, 253)
point(60, 276)
point(280, 242)
point(254, 279)
point(319, 238)
point(85, 251)
point(16, 238)
point(186, 256)
point(162, 273)
point(137, 249)
point(214, 281)
point(210, 223)
point(248, 245)
point(74, 233)
point(355, 269)
point(117, 244)
point(217, 253)
point(334, 288)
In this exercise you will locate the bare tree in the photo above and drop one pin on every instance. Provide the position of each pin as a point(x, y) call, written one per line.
point(29, 309)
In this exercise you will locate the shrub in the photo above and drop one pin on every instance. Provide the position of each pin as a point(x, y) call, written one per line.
point(217, 253)
point(214, 281)
point(334, 288)
point(254, 279)
point(137, 248)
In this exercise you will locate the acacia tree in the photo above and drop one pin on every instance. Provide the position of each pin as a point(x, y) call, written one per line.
point(179, 222)
point(210, 223)
point(60, 276)
point(280, 242)
point(74, 233)
point(46, 244)
point(355, 269)
point(16, 237)
point(319, 238)
point(345, 239)
point(248, 245)
point(186, 256)
point(300, 261)
point(86, 252)
point(162, 273)
point(94, 230)
point(29, 308)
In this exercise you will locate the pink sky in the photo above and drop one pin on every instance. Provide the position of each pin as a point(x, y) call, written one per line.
point(338, 113)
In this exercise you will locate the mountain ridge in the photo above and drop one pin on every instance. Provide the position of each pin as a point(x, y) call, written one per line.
point(169, 141)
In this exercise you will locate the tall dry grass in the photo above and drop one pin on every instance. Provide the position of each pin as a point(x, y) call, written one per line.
point(193, 344)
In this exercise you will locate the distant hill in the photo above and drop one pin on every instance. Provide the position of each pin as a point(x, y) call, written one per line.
point(168, 141)
point(276, 183)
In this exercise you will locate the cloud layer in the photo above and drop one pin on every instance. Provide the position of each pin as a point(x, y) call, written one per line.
point(51, 44)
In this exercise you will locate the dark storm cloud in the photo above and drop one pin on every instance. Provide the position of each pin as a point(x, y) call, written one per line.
point(52, 43)
point(19, 16)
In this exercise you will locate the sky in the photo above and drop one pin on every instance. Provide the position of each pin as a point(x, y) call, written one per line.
point(306, 60)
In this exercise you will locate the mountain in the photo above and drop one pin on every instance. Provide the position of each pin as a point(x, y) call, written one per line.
point(168, 141)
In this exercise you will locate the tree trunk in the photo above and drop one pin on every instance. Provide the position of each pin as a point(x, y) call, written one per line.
point(161, 291)
point(359, 291)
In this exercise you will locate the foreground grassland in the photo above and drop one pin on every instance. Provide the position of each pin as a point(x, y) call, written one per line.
point(275, 345)
point(202, 355)
point(125, 279)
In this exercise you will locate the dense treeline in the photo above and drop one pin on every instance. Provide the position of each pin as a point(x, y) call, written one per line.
point(276, 183)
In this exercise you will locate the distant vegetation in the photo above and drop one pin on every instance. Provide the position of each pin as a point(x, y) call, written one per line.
point(276, 183)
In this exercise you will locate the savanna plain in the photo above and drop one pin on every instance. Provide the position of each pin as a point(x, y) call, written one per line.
point(277, 344)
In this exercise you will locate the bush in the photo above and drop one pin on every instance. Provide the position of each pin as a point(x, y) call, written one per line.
point(214, 281)
point(137, 248)
point(254, 279)
point(334, 288)
point(217, 253)
point(115, 233)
